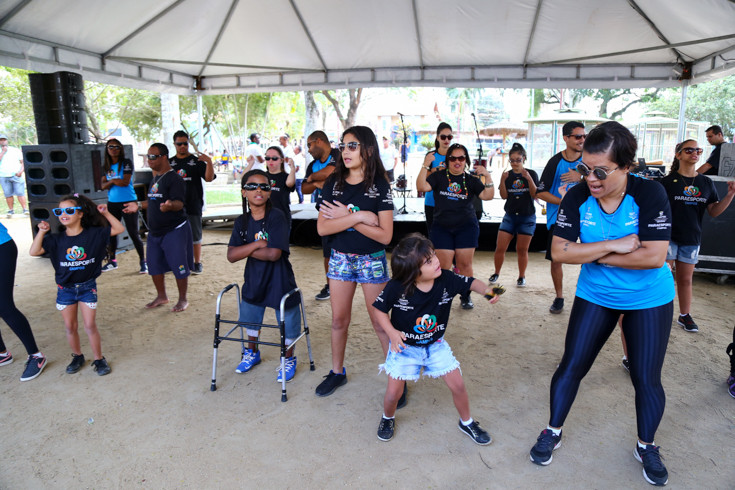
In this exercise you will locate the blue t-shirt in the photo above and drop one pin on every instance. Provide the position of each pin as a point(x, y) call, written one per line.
point(551, 181)
point(118, 193)
point(438, 161)
point(644, 211)
point(4, 235)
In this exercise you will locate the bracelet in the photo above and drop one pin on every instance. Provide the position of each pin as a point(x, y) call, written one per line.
point(426, 167)
point(490, 185)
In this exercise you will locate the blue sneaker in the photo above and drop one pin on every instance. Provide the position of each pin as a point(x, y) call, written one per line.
point(545, 445)
point(290, 366)
point(654, 470)
point(250, 359)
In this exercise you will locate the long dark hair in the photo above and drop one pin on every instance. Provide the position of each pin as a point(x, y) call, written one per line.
point(442, 126)
point(245, 206)
point(108, 159)
point(675, 163)
point(457, 146)
point(90, 216)
point(407, 258)
point(369, 154)
point(518, 148)
point(280, 153)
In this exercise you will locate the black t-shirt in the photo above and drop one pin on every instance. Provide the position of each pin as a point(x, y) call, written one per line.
point(519, 200)
point(192, 171)
point(266, 281)
point(168, 186)
point(714, 161)
point(423, 317)
point(453, 197)
point(377, 198)
point(281, 193)
point(334, 156)
point(689, 198)
point(77, 259)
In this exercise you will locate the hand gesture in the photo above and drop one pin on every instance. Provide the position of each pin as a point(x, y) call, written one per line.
point(166, 206)
point(563, 190)
point(571, 176)
point(43, 226)
point(102, 208)
point(731, 187)
point(368, 218)
point(291, 166)
point(130, 207)
point(396, 340)
point(625, 245)
point(332, 210)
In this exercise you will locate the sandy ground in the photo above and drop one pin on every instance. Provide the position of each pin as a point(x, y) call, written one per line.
point(154, 423)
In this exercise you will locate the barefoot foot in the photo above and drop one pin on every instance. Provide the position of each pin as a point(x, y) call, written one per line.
point(157, 302)
point(180, 306)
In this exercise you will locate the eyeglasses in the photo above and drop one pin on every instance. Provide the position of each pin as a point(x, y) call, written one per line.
point(577, 136)
point(689, 151)
point(70, 211)
point(447, 137)
point(113, 147)
point(515, 160)
point(275, 159)
point(598, 172)
point(352, 145)
point(182, 143)
point(252, 186)
point(459, 159)
point(151, 156)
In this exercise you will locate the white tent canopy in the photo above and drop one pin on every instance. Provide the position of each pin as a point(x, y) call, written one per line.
point(224, 46)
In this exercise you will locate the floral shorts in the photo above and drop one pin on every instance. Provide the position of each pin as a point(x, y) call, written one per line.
point(370, 268)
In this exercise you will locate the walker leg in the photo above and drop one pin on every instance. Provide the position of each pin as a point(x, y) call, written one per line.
point(214, 371)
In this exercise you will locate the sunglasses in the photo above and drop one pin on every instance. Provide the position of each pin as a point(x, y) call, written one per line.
point(689, 151)
point(113, 147)
point(182, 143)
point(577, 136)
point(151, 156)
point(447, 137)
point(275, 159)
point(70, 211)
point(459, 159)
point(250, 186)
point(515, 160)
point(352, 145)
point(598, 172)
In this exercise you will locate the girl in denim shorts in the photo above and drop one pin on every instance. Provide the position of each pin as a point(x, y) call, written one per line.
point(419, 298)
point(357, 211)
point(76, 253)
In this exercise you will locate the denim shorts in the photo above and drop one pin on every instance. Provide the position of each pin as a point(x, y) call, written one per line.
point(518, 225)
point(251, 313)
point(689, 254)
point(464, 236)
point(85, 292)
point(436, 360)
point(364, 269)
point(13, 186)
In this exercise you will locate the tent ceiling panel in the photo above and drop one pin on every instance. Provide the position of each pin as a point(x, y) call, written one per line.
point(255, 46)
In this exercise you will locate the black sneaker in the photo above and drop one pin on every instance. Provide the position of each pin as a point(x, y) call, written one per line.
point(323, 294)
point(626, 364)
point(467, 303)
point(557, 306)
point(403, 399)
point(386, 429)
point(110, 266)
point(493, 279)
point(521, 282)
point(143, 268)
point(545, 445)
point(34, 366)
point(654, 470)
point(198, 268)
point(331, 382)
point(476, 433)
point(101, 367)
point(77, 361)
point(687, 323)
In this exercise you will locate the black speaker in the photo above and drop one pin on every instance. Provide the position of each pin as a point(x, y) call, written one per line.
point(59, 107)
point(717, 252)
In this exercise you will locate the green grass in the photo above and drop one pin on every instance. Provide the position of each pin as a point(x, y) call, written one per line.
point(225, 196)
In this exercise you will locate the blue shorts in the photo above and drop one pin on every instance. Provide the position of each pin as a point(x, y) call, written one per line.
point(173, 252)
point(436, 360)
point(13, 186)
point(363, 269)
point(689, 254)
point(518, 224)
point(465, 236)
point(251, 313)
point(84, 292)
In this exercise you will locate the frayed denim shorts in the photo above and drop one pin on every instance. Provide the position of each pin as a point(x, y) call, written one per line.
point(370, 268)
point(85, 292)
point(689, 254)
point(436, 360)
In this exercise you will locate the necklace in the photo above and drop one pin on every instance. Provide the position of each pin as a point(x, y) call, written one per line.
point(464, 183)
point(683, 178)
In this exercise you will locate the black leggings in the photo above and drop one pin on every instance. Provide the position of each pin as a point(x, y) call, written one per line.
point(646, 335)
point(131, 223)
point(17, 322)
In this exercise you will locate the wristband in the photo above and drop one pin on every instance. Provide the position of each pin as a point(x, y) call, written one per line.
point(488, 186)
point(427, 168)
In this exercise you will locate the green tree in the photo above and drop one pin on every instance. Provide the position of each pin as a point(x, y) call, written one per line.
point(339, 99)
point(16, 108)
point(109, 107)
point(564, 98)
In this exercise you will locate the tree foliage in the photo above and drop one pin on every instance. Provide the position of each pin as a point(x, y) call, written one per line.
point(604, 97)
point(109, 107)
point(341, 99)
point(16, 109)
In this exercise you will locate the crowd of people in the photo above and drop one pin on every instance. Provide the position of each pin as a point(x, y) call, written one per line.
point(636, 240)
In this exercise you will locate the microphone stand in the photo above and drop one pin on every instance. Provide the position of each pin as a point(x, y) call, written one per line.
point(479, 150)
point(404, 155)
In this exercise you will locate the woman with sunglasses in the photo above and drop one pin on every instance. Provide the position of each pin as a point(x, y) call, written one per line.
point(282, 183)
point(260, 235)
point(455, 229)
point(690, 195)
point(518, 187)
point(434, 161)
point(76, 254)
point(118, 181)
point(623, 224)
point(357, 211)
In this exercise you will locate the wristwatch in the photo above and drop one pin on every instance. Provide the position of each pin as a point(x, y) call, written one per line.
point(426, 167)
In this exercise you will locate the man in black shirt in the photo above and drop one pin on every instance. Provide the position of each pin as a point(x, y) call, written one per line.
point(193, 168)
point(716, 138)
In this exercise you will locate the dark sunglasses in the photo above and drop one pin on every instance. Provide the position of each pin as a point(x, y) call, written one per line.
point(447, 137)
point(459, 159)
point(598, 172)
point(70, 211)
point(689, 151)
point(577, 136)
point(182, 143)
point(151, 156)
point(275, 159)
point(250, 186)
point(113, 147)
point(352, 145)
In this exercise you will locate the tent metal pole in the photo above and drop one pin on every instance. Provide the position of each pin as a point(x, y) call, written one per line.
point(200, 122)
point(682, 109)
